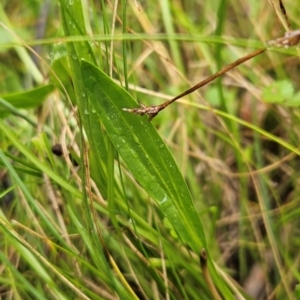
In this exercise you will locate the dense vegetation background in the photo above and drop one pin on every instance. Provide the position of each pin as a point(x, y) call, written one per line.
point(106, 213)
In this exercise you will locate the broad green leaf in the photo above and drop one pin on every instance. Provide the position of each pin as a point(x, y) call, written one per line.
point(28, 99)
point(145, 154)
point(278, 91)
point(293, 101)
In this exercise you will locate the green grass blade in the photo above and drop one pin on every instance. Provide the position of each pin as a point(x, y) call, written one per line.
point(33, 291)
point(145, 153)
point(8, 35)
point(35, 161)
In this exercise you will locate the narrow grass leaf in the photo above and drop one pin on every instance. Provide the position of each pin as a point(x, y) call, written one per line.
point(32, 291)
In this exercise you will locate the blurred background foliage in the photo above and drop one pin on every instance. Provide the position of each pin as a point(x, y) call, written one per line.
point(235, 142)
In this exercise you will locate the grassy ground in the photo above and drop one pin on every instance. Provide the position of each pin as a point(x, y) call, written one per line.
point(112, 216)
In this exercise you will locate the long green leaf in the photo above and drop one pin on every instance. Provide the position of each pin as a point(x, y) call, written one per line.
point(27, 99)
point(145, 153)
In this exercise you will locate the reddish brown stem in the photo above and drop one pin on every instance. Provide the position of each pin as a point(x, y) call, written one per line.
point(291, 38)
point(153, 110)
point(213, 77)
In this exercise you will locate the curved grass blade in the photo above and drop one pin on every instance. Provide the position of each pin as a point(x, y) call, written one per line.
point(145, 154)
